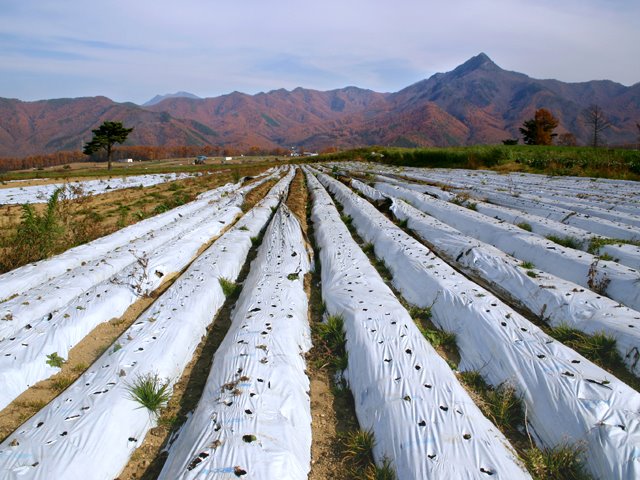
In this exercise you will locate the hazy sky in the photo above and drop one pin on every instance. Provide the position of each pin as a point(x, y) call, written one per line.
point(130, 50)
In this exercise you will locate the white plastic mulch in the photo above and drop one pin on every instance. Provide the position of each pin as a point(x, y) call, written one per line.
point(92, 428)
point(41, 193)
point(567, 397)
point(254, 416)
point(423, 421)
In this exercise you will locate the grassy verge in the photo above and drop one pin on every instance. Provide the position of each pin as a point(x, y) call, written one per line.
point(550, 160)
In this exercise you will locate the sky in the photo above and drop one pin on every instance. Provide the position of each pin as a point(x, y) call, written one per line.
point(131, 50)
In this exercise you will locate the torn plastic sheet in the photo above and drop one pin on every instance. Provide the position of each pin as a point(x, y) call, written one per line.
point(254, 414)
point(567, 397)
point(69, 436)
point(421, 417)
point(620, 282)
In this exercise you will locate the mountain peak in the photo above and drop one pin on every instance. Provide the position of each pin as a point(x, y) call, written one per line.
point(479, 62)
point(159, 98)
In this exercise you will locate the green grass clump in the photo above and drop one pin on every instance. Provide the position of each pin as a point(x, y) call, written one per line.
point(150, 392)
point(569, 242)
point(438, 338)
point(229, 288)
point(596, 243)
point(385, 472)
point(502, 404)
point(599, 347)
point(55, 360)
point(332, 335)
point(524, 226)
point(560, 463)
point(357, 448)
point(527, 265)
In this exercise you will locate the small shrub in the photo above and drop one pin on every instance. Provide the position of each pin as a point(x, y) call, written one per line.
point(150, 392)
point(229, 288)
point(55, 360)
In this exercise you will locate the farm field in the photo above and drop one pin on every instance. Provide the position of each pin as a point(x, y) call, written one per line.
point(341, 320)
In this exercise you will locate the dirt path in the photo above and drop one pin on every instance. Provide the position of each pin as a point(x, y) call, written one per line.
point(332, 412)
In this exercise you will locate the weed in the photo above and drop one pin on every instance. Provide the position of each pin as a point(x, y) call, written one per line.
point(532, 274)
point(596, 243)
point(527, 265)
point(368, 249)
point(61, 382)
point(606, 257)
point(569, 242)
point(292, 276)
point(229, 287)
point(559, 463)
point(79, 367)
point(331, 333)
point(524, 226)
point(502, 404)
point(150, 392)
point(347, 219)
point(385, 472)
point(598, 285)
point(37, 235)
point(438, 338)
point(357, 447)
point(243, 228)
point(403, 223)
point(116, 347)
point(55, 360)
point(599, 347)
point(418, 313)
point(472, 206)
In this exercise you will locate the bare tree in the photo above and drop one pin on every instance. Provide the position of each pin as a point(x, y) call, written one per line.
point(597, 120)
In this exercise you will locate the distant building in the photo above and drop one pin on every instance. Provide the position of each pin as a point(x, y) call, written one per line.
point(125, 160)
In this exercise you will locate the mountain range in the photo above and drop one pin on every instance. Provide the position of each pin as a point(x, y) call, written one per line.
point(478, 102)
